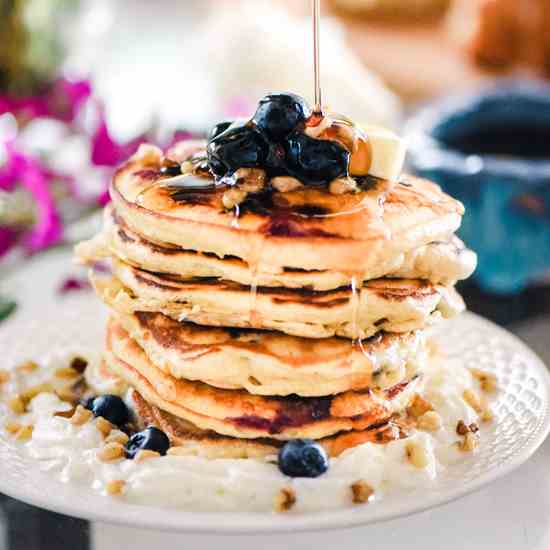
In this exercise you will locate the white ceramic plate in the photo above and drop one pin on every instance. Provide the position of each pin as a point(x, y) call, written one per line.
point(46, 320)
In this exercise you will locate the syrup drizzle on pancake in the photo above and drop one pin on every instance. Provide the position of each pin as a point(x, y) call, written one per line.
point(357, 341)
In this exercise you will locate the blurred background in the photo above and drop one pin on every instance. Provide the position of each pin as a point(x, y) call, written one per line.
point(84, 82)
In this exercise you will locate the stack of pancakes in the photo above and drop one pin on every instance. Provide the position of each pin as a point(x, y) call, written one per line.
point(300, 315)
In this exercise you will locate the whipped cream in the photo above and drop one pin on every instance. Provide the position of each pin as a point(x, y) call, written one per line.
point(201, 484)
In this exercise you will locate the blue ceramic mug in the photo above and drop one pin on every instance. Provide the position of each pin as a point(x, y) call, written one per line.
point(491, 150)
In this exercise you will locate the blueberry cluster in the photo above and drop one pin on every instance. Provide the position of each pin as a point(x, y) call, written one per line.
point(274, 140)
point(113, 409)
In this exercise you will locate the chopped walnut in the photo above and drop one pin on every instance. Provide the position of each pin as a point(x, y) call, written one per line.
point(187, 167)
point(111, 452)
point(17, 405)
point(147, 154)
point(284, 500)
point(419, 406)
point(66, 393)
point(470, 435)
point(184, 150)
point(66, 372)
point(341, 186)
point(473, 400)
point(361, 492)
point(117, 436)
point(24, 433)
point(430, 421)
point(81, 416)
point(251, 180)
point(145, 454)
point(417, 455)
point(27, 367)
point(233, 197)
point(4, 376)
point(31, 393)
point(12, 427)
point(103, 426)
point(461, 428)
point(247, 180)
point(487, 380)
point(487, 415)
point(65, 414)
point(79, 364)
point(284, 184)
point(469, 443)
point(115, 487)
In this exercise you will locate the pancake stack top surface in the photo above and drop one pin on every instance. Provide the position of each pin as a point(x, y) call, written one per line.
point(275, 282)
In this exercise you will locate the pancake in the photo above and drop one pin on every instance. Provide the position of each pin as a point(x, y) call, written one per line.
point(240, 414)
point(191, 440)
point(308, 228)
point(391, 305)
point(437, 262)
point(271, 363)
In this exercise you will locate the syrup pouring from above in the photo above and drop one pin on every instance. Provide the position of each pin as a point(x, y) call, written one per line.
point(285, 146)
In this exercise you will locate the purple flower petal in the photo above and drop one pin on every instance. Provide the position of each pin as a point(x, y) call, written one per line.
point(106, 152)
point(62, 101)
point(73, 284)
point(104, 198)
point(8, 239)
point(66, 97)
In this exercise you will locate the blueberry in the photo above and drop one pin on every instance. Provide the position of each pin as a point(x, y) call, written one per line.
point(112, 408)
point(88, 402)
point(280, 114)
point(316, 161)
point(303, 458)
point(219, 128)
point(151, 439)
point(237, 147)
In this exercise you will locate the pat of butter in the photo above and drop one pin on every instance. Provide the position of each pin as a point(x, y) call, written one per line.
point(387, 153)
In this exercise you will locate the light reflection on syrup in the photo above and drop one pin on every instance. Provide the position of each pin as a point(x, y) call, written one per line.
point(255, 267)
point(178, 186)
point(236, 215)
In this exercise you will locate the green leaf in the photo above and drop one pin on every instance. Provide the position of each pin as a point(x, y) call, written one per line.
point(7, 307)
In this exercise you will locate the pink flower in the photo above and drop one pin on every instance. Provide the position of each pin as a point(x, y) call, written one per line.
point(72, 284)
point(29, 173)
point(62, 101)
point(104, 198)
point(66, 97)
point(106, 152)
point(47, 230)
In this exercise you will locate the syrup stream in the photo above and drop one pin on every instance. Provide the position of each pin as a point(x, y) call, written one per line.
point(316, 10)
point(255, 268)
